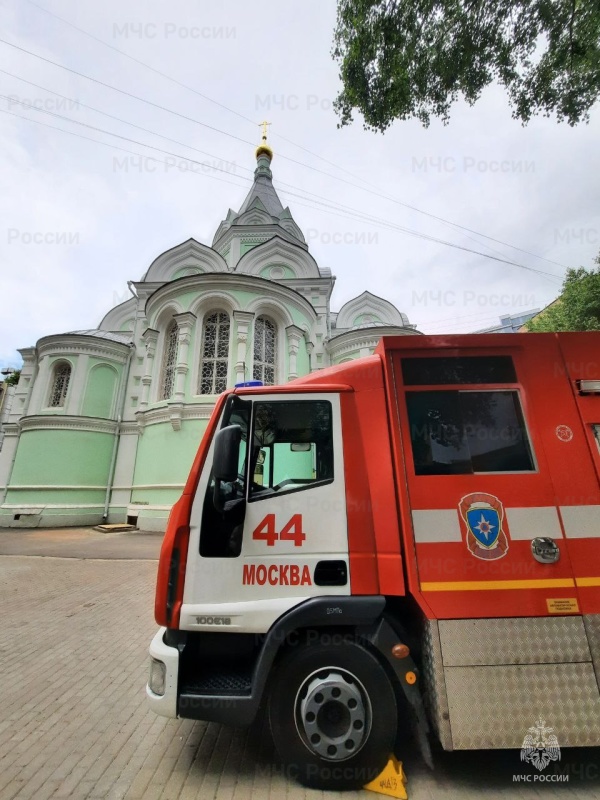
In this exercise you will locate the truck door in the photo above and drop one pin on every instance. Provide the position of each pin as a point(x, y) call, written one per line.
point(574, 440)
point(276, 535)
point(480, 500)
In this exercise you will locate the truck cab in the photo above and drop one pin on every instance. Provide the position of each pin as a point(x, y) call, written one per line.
point(371, 548)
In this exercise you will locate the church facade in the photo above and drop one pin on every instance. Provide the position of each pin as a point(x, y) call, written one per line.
point(104, 423)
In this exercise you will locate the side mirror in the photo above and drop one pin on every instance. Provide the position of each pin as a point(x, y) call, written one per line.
point(225, 460)
point(227, 453)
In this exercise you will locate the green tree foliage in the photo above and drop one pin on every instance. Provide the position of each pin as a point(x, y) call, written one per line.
point(13, 378)
point(577, 308)
point(404, 59)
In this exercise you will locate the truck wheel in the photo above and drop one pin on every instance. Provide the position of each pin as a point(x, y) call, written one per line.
point(333, 714)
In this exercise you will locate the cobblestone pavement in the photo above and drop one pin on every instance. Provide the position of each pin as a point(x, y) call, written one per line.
point(73, 663)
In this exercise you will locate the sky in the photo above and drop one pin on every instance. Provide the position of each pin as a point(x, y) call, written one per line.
point(81, 218)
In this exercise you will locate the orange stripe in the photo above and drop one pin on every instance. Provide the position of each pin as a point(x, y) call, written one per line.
point(587, 581)
point(471, 586)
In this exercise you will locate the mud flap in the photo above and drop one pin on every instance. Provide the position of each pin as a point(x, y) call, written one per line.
point(383, 636)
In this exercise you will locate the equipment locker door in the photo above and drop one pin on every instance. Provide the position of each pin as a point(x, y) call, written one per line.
point(480, 499)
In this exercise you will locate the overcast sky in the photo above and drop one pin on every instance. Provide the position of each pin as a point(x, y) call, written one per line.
point(80, 219)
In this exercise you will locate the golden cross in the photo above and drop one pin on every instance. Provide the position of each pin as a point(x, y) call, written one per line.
point(264, 127)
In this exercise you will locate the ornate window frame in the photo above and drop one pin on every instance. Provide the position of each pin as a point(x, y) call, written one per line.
point(265, 347)
point(59, 386)
point(168, 369)
point(216, 360)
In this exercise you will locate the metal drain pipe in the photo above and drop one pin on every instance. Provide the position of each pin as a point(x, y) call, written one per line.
point(121, 407)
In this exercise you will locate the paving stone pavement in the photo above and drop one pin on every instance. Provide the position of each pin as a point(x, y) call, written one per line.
point(74, 635)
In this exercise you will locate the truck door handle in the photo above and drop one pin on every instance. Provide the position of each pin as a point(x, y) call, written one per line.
point(545, 550)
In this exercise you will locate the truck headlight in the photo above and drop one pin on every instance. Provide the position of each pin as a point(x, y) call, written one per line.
point(158, 674)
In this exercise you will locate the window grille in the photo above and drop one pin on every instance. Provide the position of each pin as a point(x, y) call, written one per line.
point(60, 385)
point(215, 353)
point(169, 361)
point(265, 350)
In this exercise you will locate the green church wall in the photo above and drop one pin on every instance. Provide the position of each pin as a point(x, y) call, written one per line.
point(61, 458)
point(164, 457)
point(99, 395)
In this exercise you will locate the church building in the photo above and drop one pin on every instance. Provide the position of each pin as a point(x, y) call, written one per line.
point(104, 423)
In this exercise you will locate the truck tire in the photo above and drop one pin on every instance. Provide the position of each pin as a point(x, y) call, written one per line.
point(332, 713)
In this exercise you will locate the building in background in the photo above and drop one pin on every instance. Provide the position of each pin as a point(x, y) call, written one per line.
point(511, 323)
point(105, 422)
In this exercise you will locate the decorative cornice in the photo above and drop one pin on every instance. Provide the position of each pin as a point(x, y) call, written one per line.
point(268, 231)
point(230, 282)
point(207, 258)
point(27, 354)
point(63, 343)
point(129, 428)
point(185, 320)
point(292, 253)
point(367, 303)
point(363, 337)
point(177, 411)
point(41, 422)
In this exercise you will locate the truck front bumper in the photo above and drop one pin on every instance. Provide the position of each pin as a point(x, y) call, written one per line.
point(161, 689)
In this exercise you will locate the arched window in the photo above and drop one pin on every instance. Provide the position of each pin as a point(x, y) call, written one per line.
point(169, 361)
point(215, 353)
point(60, 384)
point(265, 350)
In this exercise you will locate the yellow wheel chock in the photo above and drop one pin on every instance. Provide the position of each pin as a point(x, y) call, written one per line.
point(390, 781)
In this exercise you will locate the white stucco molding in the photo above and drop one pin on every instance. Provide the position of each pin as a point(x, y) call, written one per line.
point(275, 251)
point(271, 307)
point(118, 316)
point(47, 422)
point(255, 216)
point(358, 338)
point(168, 411)
point(66, 344)
point(368, 303)
point(294, 336)
point(243, 322)
point(169, 294)
point(212, 301)
point(187, 254)
point(230, 233)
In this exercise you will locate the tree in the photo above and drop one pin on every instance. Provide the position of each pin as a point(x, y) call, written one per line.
point(13, 378)
point(404, 59)
point(578, 306)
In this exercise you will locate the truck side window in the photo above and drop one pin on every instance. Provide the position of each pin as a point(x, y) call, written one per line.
point(221, 532)
point(462, 432)
point(440, 370)
point(292, 447)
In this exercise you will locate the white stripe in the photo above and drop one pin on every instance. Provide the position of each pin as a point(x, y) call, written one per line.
point(527, 523)
point(436, 526)
point(581, 522)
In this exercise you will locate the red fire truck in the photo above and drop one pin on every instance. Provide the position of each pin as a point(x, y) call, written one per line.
point(408, 541)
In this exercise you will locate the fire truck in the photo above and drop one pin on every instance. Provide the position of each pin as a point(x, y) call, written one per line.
point(406, 544)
